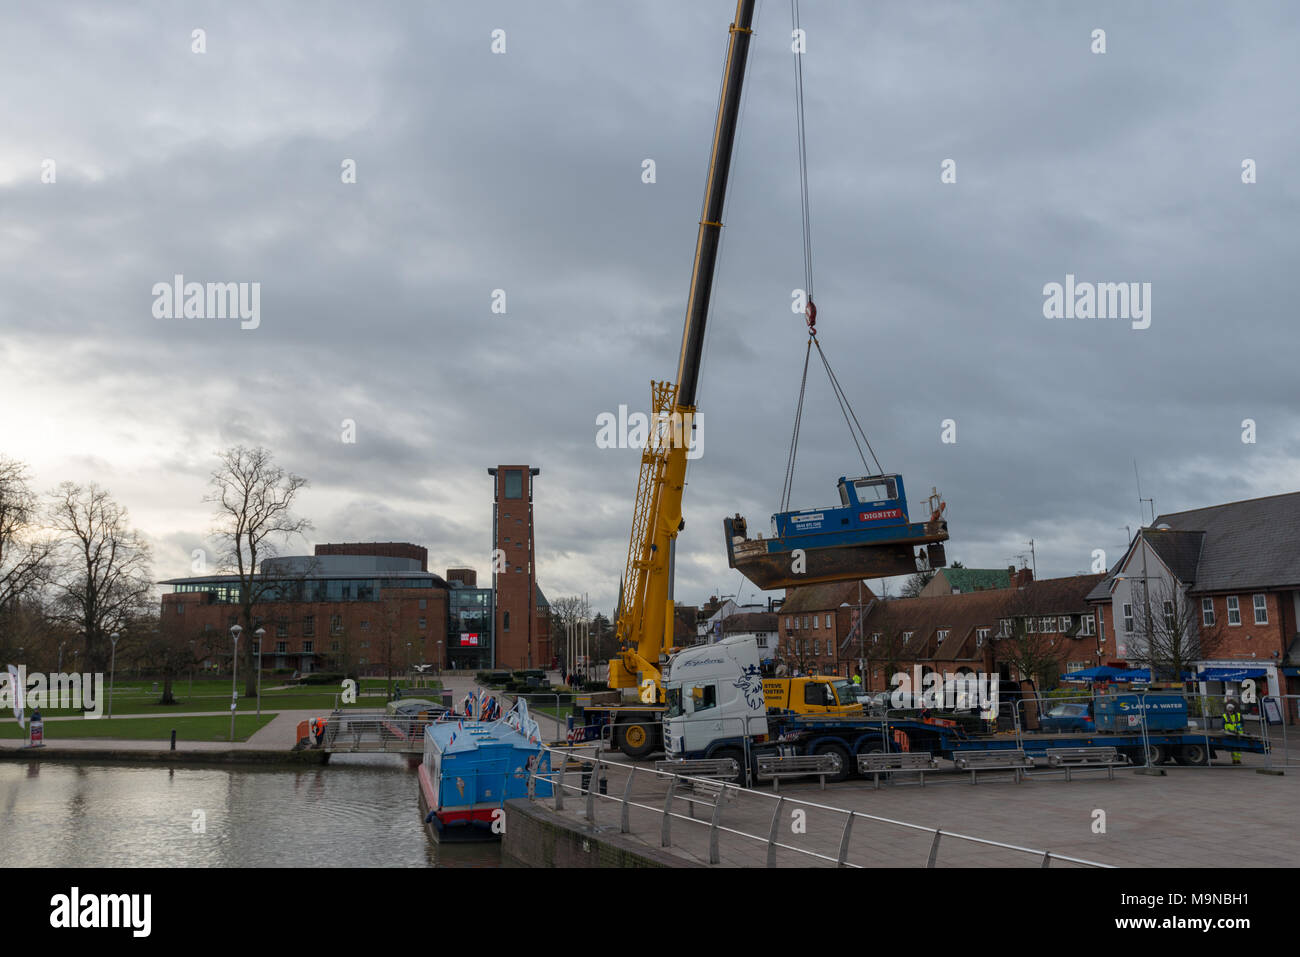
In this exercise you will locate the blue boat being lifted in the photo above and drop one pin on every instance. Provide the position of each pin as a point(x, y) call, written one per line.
point(868, 535)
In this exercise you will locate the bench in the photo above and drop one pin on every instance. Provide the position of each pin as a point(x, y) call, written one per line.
point(774, 767)
point(878, 764)
point(1069, 759)
point(1008, 760)
point(708, 778)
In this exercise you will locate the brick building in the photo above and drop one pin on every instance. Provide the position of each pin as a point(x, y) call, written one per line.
point(1224, 581)
point(353, 606)
point(813, 622)
point(1046, 625)
point(521, 616)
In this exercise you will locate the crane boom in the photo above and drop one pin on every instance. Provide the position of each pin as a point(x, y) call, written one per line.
point(645, 619)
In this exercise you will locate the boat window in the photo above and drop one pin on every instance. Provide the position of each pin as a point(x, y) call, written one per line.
point(844, 494)
point(704, 697)
point(876, 490)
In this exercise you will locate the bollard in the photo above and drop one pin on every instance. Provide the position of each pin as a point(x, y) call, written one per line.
point(603, 783)
point(173, 739)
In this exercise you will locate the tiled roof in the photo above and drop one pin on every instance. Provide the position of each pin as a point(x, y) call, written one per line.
point(960, 615)
point(749, 621)
point(976, 579)
point(825, 597)
point(1250, 544)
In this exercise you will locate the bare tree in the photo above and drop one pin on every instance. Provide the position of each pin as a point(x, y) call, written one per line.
point(1021, 644)
point(567, 614)
point(1170, 639)
point(914, 585)
point(254, 499)
point(99, 569)
point(24, 551)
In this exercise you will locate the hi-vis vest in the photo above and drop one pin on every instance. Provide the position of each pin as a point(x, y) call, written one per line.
point(1232, 722)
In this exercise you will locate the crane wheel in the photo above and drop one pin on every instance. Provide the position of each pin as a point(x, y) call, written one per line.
point(636, 740)
point(845, 766)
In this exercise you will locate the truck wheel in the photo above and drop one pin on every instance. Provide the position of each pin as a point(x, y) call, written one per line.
point(1159, 753)
point(844, 767)
point(1192, 754)
point(739, 757)
point(637, 740)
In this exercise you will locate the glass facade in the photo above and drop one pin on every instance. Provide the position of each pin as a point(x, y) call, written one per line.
point(469, 628)
point(308, 590)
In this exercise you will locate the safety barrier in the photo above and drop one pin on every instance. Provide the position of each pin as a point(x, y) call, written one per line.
point(827, 832)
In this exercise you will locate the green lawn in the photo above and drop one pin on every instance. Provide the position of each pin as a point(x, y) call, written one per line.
point(215, 728)
point(214, 695)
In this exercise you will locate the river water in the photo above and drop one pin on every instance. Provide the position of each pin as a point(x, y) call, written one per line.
point(360, 811)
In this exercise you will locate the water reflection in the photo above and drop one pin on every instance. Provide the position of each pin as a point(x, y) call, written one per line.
point(361, 811)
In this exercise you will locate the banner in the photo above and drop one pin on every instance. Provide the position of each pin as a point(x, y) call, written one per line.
point(17, 690)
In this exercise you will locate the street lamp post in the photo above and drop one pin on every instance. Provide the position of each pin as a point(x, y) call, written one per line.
point(112, 672)
point(234, 676)
point(259, 634)
point(59, 669)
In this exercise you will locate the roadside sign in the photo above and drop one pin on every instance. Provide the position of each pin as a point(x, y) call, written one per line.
point(1272, 710)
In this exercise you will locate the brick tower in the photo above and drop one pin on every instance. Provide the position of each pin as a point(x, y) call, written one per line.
point(514, 569)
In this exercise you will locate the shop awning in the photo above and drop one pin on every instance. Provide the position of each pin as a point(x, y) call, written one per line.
point(1229, 674)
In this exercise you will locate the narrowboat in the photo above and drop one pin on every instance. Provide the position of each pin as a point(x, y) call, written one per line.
point(471, 768)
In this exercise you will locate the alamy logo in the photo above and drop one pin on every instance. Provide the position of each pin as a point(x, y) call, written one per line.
point(1103, 300)
point(102, 910)
point(84, 692)
point(945, 691)
point(639, 431)
point(179, 299)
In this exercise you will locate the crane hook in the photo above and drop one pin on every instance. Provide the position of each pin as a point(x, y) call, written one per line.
point(810, 311)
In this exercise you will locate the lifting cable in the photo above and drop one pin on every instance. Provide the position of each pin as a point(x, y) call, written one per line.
point(810, 311)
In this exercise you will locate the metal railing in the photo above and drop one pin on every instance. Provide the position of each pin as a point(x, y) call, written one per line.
point(838, 832)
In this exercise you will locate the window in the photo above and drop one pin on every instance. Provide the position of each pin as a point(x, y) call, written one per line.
point(280, 647)
point(336, 624)
point(1128, 617)
point(1169, 615)
point(365, 625)
point(817, 646)
point(943, 633)
point(1004, 628)
point(1207, 612)
point(787, 622)
point(1047, 625)
point(762, 641)
point(422, 624)
point(828, 621)
point(805, 621)
point(514, 483)
point(878, 490)
point(1261, 610)
point(704, 697)
point(365, 644)
point(1031, 626)
point(308, 647)
point(424, 603)
point(981, 636)
point(1074, 666)
point(875, 638)
point(1065, 624)
point(1088, 627)
point(282, 628)
point(505, 622)
point(814, 622)
point(818, 693)
point(907, 635)
point(180, 609)
point(309, 626)
point(1234, 610)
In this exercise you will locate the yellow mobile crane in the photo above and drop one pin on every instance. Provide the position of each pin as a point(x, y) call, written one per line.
point(645, 618)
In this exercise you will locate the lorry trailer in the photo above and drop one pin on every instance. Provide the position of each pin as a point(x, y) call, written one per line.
point(735, 724)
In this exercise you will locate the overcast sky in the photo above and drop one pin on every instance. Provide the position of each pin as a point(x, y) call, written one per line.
point(522, 171)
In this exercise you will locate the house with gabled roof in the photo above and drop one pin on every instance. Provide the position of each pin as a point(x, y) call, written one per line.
point(1235, 569)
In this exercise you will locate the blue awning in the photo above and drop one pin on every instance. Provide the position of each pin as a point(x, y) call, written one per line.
point(1229, 674)
point(1107, 673)
point(1291, 672)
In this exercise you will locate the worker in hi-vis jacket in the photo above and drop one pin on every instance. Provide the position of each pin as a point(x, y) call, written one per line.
point(1232, 725)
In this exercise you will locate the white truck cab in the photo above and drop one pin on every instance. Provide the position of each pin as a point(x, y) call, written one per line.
point(715, 697)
